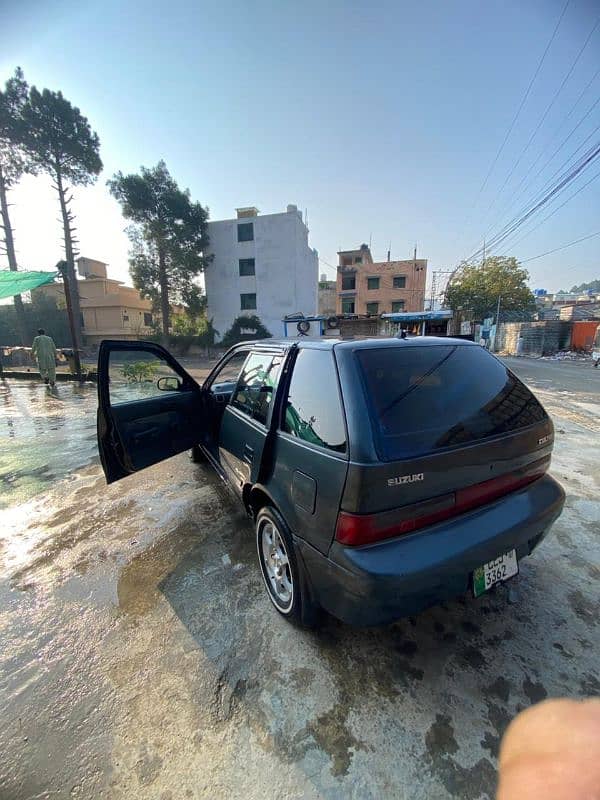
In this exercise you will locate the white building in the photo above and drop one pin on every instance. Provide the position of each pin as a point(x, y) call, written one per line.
point(262, 265)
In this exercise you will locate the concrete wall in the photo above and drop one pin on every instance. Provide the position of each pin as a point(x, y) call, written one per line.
point(539, 338)
point(327, 298)
point(286, 270)
point(91, 266)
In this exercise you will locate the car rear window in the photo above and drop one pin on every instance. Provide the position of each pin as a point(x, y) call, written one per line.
point(424, 399)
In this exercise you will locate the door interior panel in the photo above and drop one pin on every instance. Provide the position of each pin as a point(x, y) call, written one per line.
point(156, 425)
point(141, 422)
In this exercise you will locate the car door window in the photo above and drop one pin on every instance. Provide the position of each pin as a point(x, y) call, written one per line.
point(138, 375)
point(230, 371)
point(256, 387)
point(313, 410)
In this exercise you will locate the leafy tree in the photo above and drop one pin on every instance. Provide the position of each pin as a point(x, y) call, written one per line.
point(42, 312)
point(169, 236)
point(189, 330)
point(194, 301)
point(478, 288)
point(245, 322)
point(592, 286)
point(61, 143)
point(13, 163)
point(145, 273)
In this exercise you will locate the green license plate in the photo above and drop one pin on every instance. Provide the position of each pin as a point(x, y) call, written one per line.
point(496, 571)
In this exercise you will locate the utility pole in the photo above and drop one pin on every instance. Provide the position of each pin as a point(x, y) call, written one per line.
point(62, 267)
point(497, 325)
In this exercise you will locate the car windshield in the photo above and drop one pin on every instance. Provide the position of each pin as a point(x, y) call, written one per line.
point(424, 399)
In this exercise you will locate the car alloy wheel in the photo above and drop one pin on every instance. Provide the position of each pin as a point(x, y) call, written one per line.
point(275, 563)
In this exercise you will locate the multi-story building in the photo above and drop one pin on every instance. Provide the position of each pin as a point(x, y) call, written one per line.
point(372, 287)
point(109, 309)
point(262, 265)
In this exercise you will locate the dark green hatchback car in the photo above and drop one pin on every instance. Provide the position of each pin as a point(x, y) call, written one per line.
point(382, 475)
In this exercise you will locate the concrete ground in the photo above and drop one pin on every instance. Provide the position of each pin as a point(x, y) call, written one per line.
point(141, 658)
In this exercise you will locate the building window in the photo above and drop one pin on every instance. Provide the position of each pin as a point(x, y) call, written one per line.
point(372, 308)
point(248, 302)
point(348, 282)
point(147, 318)
point(348, 306)
point(246, 267)
point(399, 281)
point(358, 260)
point(125, 317)
point(245, 232)
point(372, 283)
point(346, 261)
point(81, 319)
point(397, 306)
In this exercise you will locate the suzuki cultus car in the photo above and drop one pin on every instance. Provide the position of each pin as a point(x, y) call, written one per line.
point(382, 476)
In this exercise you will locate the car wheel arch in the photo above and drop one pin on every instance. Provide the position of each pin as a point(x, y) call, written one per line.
point(255, 498)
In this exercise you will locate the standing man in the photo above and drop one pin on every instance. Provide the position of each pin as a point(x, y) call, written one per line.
point(44, 351)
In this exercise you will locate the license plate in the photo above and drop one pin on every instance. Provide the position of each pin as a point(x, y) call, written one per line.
point(496, 571)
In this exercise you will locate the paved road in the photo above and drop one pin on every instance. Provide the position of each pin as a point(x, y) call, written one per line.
point(575, 376)
point(139, 656)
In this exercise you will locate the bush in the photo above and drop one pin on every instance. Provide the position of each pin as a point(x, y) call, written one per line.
point(139, 371)
point(187, 331)
point(245, 323)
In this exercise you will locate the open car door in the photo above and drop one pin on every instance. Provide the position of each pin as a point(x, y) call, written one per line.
point(149, 407)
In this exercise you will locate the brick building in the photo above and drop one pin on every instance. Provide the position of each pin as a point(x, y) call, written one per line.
point(372, 287)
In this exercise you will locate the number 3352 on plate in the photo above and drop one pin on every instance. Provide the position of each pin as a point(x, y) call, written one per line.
point(496, 571)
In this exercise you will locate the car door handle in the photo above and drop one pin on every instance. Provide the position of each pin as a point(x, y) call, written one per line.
point(248, 453)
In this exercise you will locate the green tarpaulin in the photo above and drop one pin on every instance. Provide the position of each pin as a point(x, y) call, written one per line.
point(12, 283)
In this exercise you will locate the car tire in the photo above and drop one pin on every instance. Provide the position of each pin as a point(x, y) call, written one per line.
point(281, 571)
point(197, 455)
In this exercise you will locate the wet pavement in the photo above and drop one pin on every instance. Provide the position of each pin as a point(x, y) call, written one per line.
point(140, 657)
point(45, 435)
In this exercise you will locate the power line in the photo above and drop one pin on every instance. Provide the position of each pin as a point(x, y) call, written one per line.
point(528, 211)
point(562, 144)
point(562, 247)
point(322, 260)
point(569, 198)
point(549, 160)
point(523, 100)
point(544, 115)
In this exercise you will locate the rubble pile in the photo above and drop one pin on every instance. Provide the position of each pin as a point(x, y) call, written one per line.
point(568, 355)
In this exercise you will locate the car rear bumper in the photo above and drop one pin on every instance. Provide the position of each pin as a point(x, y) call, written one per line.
point(380, 583)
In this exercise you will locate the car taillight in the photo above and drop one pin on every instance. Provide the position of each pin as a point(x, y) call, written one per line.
point(361, 529)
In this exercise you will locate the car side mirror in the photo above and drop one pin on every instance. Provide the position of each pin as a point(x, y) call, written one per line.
point(169, 383)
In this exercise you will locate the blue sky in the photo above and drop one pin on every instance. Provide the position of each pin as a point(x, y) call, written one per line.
point(382, 119)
